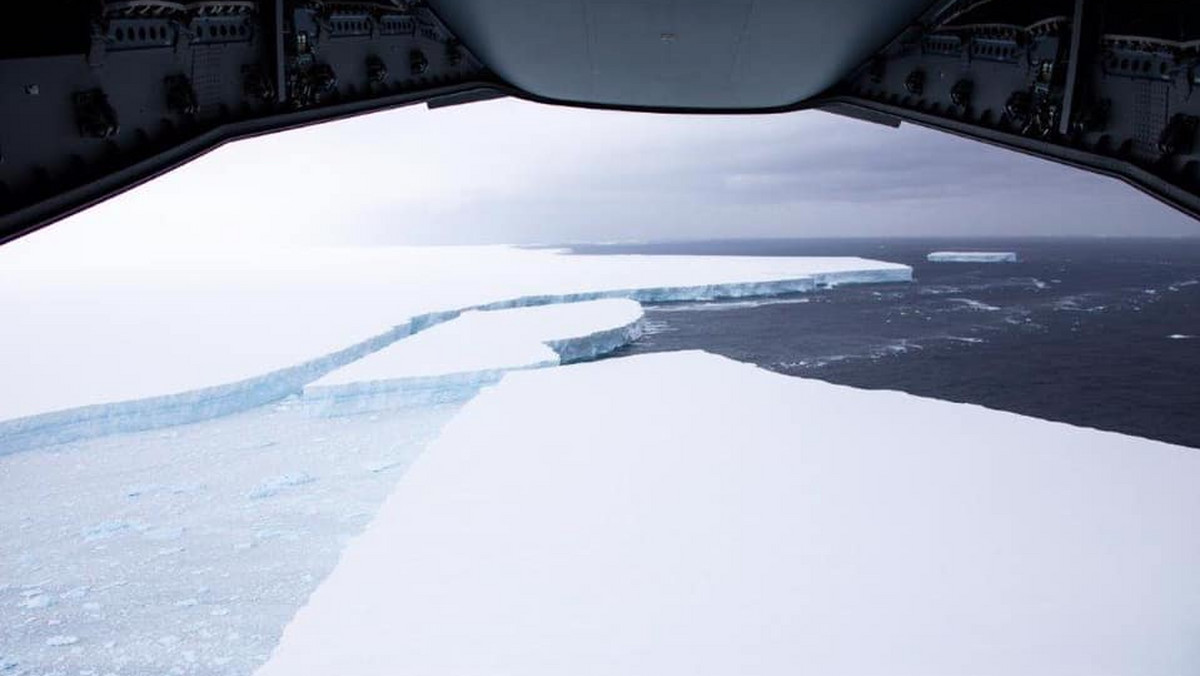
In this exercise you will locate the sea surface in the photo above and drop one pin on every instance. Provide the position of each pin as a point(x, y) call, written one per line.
point(1103, 333)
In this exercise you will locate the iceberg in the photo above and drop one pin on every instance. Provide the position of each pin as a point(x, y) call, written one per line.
point(259, 347)
point(451, 361)
point(680, 513)
point(972, 257)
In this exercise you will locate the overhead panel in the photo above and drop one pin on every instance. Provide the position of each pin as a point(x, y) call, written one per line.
point(96, 97)
point(1103, 85)
point(671, 54)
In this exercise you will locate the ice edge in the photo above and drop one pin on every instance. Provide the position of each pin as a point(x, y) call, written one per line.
point(97, 420)
point(374, 395)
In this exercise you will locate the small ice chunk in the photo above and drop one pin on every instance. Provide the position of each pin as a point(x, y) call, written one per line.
point(36, 602)
point(76, 593)
point(273, 485)
point(106, 529)
point(62, 640)
point(163, 533)
point(382, 465)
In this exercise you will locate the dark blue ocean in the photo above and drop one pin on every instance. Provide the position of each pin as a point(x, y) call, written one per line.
point(1103, 333)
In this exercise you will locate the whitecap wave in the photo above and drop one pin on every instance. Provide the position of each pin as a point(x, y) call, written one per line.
point(966, 339)
point(651, 327)
point(1077, 304)
point(872, 353)
point(938, 290)
point(971, 304)
point(722, 306)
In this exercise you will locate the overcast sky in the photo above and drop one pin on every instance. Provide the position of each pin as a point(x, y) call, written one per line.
point(515, 172)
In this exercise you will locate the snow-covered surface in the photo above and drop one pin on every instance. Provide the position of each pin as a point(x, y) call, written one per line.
point(104, 346)
point(685, 514)
point(972, 257)
point(488, 340)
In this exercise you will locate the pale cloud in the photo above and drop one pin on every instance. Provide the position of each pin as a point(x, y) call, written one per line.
point(518, 172)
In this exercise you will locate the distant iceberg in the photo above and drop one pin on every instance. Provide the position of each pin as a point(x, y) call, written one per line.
point(972, 257)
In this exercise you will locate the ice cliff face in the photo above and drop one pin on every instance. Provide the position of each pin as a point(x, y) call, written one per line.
point(431, 368)
point(200, 404)
point(184, 407)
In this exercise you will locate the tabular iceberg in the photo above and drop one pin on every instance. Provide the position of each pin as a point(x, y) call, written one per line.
point(972, 257)
point(681, 513)
point(487, 278)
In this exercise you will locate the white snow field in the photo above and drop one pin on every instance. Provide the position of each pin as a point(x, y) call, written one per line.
point(103, 346)
point(681, 513)
point(972, 257)
point(451, 361)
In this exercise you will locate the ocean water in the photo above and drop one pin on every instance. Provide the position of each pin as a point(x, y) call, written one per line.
point(1103, 333)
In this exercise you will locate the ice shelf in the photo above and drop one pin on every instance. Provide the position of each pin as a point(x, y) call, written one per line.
point(972, 257)
point(682, 513)
point(207, 337)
